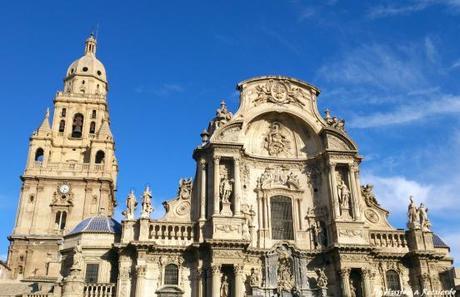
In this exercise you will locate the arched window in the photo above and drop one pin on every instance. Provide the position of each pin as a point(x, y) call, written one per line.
point(100, 156)
point(62, 126)
point(281, 218)
point(93, 114)
point(171, 274)
point(393, 280)
point(39, 155)
point(77, 126)
point(92, 127)
point(63, 112)
point(60, 220)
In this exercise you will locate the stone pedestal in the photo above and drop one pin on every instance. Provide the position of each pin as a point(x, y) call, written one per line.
point(73, 288)
point(226, 209)
point(224, 227)
point(144, 229)
point(127, 231)
point(419, 240)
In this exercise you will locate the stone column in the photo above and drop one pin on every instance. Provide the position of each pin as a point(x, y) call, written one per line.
point(237, 186)
point(123, 282)
point(199, 282)
point(333, 183)
point(366, 273)
point(354, 191)
point(140, 276)
point(239, 283)
point(203, 186)
point(216, 185)
point(345, 282)
point(215, 270)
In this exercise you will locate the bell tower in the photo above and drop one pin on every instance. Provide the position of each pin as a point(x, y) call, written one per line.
point(70, 173)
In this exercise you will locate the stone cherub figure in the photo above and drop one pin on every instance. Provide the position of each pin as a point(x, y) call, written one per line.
point(131, 205)
point(147, 207)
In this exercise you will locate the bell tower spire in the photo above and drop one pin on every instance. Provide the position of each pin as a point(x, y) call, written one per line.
point(90, 45)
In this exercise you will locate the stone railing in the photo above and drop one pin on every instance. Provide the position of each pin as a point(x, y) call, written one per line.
point(99, 290)
point(38, 295)
point(168, 233)
point(388, 239)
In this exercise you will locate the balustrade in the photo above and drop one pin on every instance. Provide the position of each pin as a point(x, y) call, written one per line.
point(99, 290)
point(174, 233)
point(391, 239)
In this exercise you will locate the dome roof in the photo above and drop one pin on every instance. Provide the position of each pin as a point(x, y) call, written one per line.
point(88, 65)
point(97, 224)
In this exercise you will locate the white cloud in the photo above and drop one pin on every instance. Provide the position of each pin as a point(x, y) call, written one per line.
point(381, 11)
point(430, 49)
point(445, 104)
point(456, 64)
point(378, 66)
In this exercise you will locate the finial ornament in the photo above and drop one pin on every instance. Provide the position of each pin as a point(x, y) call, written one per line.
point(90, 45)
point(147, 208)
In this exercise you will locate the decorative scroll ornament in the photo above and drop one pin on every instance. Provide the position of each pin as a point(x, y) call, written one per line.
point(275, 141)
point(279, 92)
point(371, 216)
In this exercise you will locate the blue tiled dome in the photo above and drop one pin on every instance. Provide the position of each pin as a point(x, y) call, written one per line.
point(97, 224)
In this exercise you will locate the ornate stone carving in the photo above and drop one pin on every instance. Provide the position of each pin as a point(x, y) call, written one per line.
point(255, 277)
point(229, 134)
point(147, 207)
point(185, 188)
point(222, 117)
point(369, 196)
point(319, 235)
point(350, 233)
point(278, 176)
point(224, 287)
point(225, 189)
point(131, 205)
point(279, 92)
point(321, 278)
point(334, 122)
point(285, 274)
point(276, 142)
point(371, 215)
point(226, 228)
point(76, 270)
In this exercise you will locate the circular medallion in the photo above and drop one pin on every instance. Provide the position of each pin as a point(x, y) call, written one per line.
point(371, 215)
point(183, 208)
point(279, 92)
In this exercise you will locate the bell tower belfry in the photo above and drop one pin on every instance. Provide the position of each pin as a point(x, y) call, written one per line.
point(71, 170)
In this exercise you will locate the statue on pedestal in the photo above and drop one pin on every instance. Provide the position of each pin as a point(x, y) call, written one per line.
point(147, 207)
point(425, 223)
point(344, 195)
point(224, 288)
point(131, 205)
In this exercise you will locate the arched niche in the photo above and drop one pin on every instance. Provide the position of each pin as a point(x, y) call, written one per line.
point(280, 135)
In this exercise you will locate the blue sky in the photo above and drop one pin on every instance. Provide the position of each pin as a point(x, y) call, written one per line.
point(389, 68)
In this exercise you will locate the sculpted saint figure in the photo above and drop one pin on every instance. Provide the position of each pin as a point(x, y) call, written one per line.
point(147, 203)
point(344, 195)
point(412, 213)
point(131, 205)
point(225, 189)
point(224, 288)
point(254, 279)
point(423, 217)
point(275, 141)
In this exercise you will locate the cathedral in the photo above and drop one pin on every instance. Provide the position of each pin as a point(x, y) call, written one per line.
point(276, 208)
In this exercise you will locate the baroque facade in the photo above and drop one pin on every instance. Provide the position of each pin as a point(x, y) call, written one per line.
point(276, 207)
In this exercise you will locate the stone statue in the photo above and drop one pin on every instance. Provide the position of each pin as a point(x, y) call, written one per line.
point(131, 205)
point(369, 196)
point(285, 280)
point(249, 214)
point(344, 195)
point(225, 189)
point(412, 214)
point(321, 278)
point(292, 180)
point(224, 288)
point(147, 207)
point(321, 239)
point(77, 263)
point(275, 142)
point(185, 188)
point(222, 117)
point(334, 122)
point(423, 218)
point(254, 278)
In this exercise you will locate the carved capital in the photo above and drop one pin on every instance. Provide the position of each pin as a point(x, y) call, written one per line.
point(215, 268)
point(344, 273)
point(216, 159)
point(203, 164)
point(238, 269)
point(237, 161)
point(140, 270)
